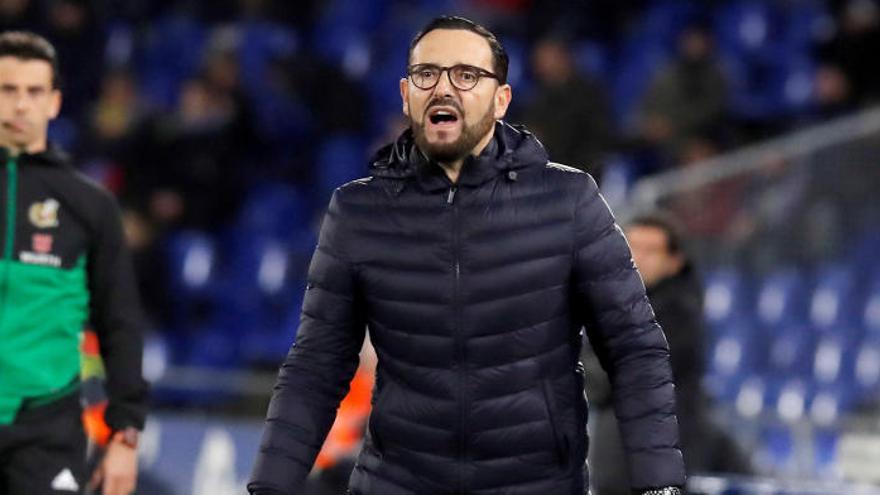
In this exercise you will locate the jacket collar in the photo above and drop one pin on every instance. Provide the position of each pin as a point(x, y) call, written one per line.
point(512, 148)
point(52, 156)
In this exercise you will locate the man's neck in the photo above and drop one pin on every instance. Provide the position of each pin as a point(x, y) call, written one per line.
point(453, 169)
point(15, 150)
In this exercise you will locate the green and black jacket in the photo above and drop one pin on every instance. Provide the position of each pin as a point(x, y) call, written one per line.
point(64, 266)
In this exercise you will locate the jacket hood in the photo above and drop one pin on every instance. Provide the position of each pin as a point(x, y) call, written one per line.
point(52, 156)
point(512, 148)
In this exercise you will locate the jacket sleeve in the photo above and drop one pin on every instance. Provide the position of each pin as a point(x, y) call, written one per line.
point(316, 374)
point(115, 313)
point(629, 343)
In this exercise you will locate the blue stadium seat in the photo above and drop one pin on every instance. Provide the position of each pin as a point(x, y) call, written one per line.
point(63, 131)
point(863, 252)
point(348, 48)
point(265, 280)
point(833, 360)
point(344, 30)
point(870, 312)
point(867, 368)
point(825, 458)
point(192, 260)
point(754, 396)
point(619, 174)
point(640, 59)
point(747, 27)
point(807, 23)
point(275, 210)
point(282, 120)
point(171, 53)
point(267, 341)
point(355, 13)
point(788, 348)
point(261, 268)
point(794, 83)
point(340, 159)
point(829, 403)
point(752, 94)
point(664, 20)
point(790, 401)
point(727, 297)
point(732, 358)
point(157, 356)
point(214, 346)
point(194, 283)
point(782, 298)
point(518, 52)
point(593, 58)
point(261, 43)
point(767, 76)
point(778, 449)
point(832, 302)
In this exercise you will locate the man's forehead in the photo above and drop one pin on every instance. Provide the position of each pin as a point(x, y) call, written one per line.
point(647, 234)
point(453, 46)
point(30, 69)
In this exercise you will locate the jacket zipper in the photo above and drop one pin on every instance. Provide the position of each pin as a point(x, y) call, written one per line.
point(11, 177)
point(459, 339)
point(11, 189)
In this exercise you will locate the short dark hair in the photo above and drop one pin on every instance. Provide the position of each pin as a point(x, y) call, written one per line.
point(500, 60)
point(675, 241)
point(26, 45)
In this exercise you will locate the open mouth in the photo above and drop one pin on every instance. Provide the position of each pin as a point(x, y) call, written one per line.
point(441, 116)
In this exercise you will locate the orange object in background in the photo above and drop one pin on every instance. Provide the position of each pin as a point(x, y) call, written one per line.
point(96, 428)
point(348, 429)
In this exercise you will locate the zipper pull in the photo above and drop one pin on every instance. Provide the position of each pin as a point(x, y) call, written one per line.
point(451, 197)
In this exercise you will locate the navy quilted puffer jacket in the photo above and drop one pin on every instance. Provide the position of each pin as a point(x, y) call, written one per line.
point(474, 294)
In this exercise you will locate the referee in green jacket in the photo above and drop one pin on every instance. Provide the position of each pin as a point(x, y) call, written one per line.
point(63, 266)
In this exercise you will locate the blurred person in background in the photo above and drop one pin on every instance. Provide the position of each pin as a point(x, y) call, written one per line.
point(706, 211)
point(21, 14)
point(338, 455)
point(567, 110)
point(833, 93)
point(189, 158)
point(74, 29)
point(65, 266)
point(687, 97)
point(854, 47)
point(476, 263)
point(676, 294)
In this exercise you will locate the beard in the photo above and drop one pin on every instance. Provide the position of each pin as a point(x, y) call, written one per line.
point(460, 148)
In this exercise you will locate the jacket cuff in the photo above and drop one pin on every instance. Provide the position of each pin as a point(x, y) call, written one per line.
point(656, 468)
point(121, 416)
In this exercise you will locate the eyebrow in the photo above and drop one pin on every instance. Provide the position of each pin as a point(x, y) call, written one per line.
point(451, 65)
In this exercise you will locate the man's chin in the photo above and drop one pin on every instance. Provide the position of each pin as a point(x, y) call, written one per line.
point(446, 137)
point(446, 153)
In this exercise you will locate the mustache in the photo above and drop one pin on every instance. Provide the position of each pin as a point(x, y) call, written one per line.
point(444, 101)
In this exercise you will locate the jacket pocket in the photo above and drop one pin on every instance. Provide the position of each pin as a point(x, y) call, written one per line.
point(560, 442)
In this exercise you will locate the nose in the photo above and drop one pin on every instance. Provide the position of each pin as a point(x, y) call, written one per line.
point(444, 84)
point(21, 102)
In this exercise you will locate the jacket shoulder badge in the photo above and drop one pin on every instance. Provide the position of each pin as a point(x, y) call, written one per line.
point(44, 214)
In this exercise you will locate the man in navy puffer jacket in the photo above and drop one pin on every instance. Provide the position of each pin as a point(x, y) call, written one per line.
point(475, 263)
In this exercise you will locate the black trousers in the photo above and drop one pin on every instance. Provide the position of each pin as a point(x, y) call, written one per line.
point(44, 450)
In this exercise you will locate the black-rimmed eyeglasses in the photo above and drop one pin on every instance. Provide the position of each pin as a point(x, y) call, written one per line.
point(462, 76)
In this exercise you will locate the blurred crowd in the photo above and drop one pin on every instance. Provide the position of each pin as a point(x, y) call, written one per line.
point(186, 109)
